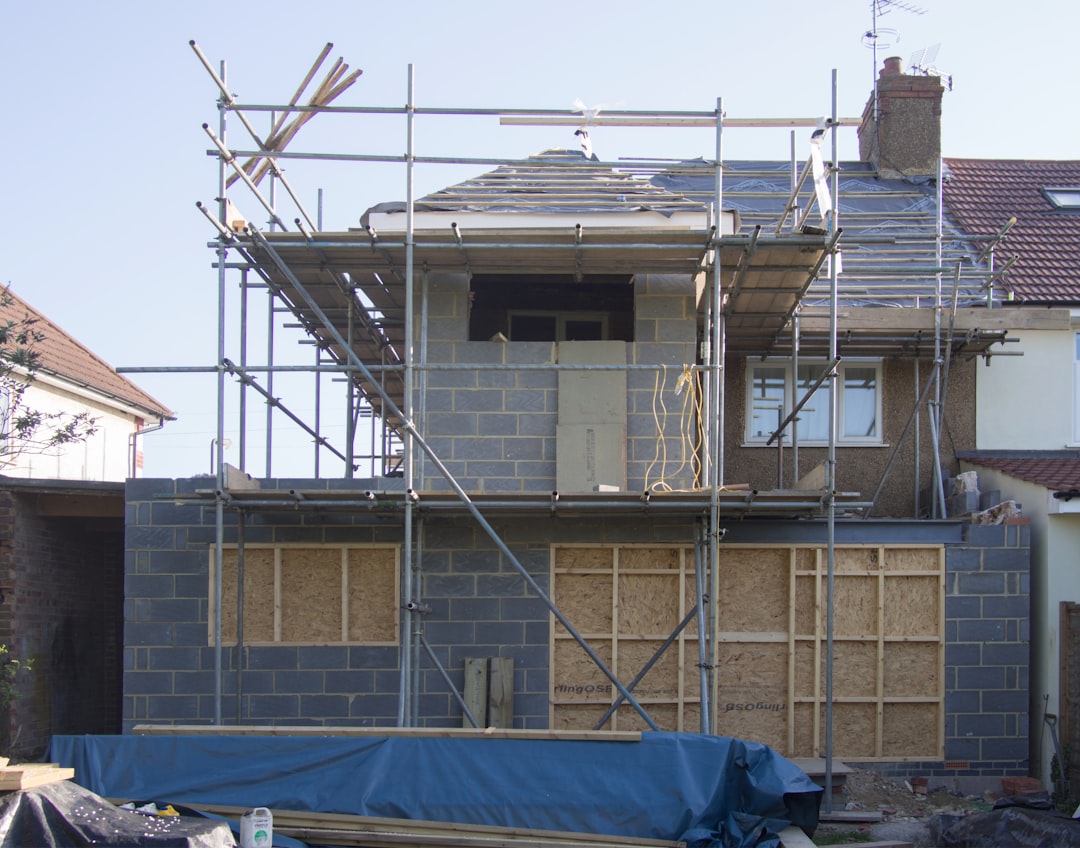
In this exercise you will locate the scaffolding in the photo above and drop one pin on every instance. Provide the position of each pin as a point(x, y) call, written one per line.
point(774, 289)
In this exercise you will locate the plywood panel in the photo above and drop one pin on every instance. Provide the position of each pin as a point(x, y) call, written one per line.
point(586, 600)
point(634, 557)
point(912, 606)
point(911, 669)
point(856, 560)
point(585, 557)
point(911, 730)
point(912, 559)
point(754, 592)
point(854, 729)
point(665, 716)
point(648, 604)
point(855, 607)
point(662, 680)
point(855, 669)
point(576, 677)
point(372, 595)
point(887, 646)
point(749, 674)
point(311, 595)
point(258, 595)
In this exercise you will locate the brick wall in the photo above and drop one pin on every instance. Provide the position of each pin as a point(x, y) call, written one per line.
point(61, 579)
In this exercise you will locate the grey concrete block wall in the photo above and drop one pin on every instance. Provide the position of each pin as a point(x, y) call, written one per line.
point(481, 606)
point(495, 424)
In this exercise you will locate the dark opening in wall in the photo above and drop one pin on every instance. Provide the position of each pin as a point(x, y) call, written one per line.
point(552, 307)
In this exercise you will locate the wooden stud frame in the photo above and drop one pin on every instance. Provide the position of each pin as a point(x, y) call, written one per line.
point(771, 638)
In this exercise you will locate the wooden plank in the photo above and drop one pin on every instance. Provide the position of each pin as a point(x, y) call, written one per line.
point(27, 777)
point(475, 691)
point(430, 832)
point(413, 732)
point(500, 694)
point(793, 837)
point(851, 816)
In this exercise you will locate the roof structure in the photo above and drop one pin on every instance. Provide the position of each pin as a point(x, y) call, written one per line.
point(64, 357)
point(771, 267)
point(1058, 471)
point(982, 195)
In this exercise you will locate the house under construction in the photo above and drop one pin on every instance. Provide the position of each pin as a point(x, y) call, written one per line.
point(661, 445)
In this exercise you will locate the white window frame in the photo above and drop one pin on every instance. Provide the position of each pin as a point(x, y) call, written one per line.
point(761, 415)
point(1076, 386)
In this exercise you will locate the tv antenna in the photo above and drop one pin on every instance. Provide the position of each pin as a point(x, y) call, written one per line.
point(922, 62)
point(884, 37)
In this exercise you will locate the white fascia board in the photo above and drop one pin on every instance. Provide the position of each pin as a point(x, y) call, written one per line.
point(474, 221)
point(1060, 506)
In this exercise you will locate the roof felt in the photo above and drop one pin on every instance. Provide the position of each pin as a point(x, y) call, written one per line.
point(981, 195)
point(62, 356)
point(1056, 470)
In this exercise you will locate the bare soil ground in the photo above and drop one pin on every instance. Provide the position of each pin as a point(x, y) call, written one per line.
point(905, 812)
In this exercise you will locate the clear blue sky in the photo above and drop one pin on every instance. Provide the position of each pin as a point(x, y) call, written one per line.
point(103, 157)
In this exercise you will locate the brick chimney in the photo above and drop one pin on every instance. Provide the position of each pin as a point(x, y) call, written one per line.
point(903, 137)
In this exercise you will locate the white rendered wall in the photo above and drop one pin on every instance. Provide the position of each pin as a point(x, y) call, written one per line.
point(1026, 402)
point(104, 456)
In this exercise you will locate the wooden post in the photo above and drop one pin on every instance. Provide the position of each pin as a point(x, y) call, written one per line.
point(476, 690)
point(500, 702)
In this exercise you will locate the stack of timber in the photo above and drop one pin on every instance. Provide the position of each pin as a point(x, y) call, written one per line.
point(337, 829)
point(30, 775)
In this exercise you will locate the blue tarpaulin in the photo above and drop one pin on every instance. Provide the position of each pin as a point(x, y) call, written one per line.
point(708, 790)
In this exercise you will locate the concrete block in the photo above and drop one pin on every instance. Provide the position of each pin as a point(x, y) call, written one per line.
point(274, 707)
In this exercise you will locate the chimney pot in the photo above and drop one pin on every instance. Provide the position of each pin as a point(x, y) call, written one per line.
point(893, 65)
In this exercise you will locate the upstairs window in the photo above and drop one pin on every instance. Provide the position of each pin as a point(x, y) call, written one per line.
point(769, 400)
point(552, 307)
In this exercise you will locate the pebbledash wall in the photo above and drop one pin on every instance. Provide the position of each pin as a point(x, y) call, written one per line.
point(480, 606)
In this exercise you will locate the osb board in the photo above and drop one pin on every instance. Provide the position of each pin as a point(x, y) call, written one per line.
point(586, 600)
point(855, 606)
point(855, 669)
point(372, 581)
point(583, 557)
point(912, 669)
point(579, 716)
point(293, 594)
point(911, 730)
point(913, 605)
point(576, 677)
point(665, 716)
point(770, 681)
point(754, 589)
point(311, 595)
point(648, 604)
point(258, 596)
point(912, 559)
point(662, 680)
point(633, 557)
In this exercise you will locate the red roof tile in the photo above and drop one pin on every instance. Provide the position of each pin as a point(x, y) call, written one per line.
point(1057, 474)
point(64, 357)
point(981, 195)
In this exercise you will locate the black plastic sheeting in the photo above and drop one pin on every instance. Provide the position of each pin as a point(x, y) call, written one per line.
point(705, 790)
point(64, 815)
point(1013, 823)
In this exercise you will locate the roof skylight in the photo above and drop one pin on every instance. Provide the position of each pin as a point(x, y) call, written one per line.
point(1063, 197)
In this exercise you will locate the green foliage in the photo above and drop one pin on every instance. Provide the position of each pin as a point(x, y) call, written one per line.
point(1064, 799)
point(24, 429)
point(12, 670)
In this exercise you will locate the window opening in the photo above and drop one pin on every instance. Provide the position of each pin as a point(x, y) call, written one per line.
point(551, 307)
point(859, 402)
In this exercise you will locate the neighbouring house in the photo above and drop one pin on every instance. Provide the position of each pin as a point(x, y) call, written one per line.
point(62, 543)
point(1025, 217)
point(616, 508)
